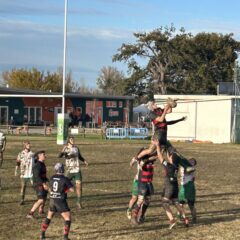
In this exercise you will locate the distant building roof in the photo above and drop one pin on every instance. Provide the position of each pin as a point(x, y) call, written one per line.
point(26, 92)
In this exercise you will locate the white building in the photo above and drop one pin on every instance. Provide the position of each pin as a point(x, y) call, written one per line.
point(209, 118)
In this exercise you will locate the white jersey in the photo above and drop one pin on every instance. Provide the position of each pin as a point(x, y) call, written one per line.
point(73, 162)
point(25, 159)
point(2, 138)
point(186, 177)
point(133, 161)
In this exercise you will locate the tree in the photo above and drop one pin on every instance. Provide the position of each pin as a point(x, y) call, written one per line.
point(178, 62)
point(111, 81)
point(37, 80)
point(159, 51)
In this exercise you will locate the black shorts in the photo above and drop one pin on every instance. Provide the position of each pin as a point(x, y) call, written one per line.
point(41, 192)
point(170, 190)
point(161, 136)
point(58, 205)
point(145, 189)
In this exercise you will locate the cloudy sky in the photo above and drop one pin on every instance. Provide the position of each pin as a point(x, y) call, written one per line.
point(31, 31)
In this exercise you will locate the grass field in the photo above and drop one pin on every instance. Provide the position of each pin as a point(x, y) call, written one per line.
point(106, 189)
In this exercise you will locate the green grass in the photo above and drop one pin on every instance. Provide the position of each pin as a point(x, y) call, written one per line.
point(106, 189)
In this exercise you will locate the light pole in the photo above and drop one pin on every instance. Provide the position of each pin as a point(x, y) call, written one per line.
point(64, 56)
point(62, 126)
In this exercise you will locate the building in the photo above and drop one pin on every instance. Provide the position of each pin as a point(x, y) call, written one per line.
point(209, 118)
point(38, 107)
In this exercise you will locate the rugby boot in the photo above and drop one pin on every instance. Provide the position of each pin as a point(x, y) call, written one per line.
point(186, 222)
point(172, 223)
point(129, 214)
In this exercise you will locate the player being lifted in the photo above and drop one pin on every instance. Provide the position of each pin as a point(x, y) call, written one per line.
point(158, 117)
point(59, 185)
point(72, 159)
point(25, 163)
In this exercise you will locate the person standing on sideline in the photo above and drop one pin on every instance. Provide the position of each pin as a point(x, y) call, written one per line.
point(59, 185)
point(72, 161)
point(25, 163)
point(39, 183)
point(3, 141)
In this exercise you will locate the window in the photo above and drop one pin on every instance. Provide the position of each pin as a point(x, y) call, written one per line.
point(111, 104)
point(33, 114)
point(120, 104)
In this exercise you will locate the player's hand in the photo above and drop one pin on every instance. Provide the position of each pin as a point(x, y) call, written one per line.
point(167, 107)
point(86, 163)
point(155, 142)
point(132, 161)
point(45, 186)
point(16, 173)
point(184, 118)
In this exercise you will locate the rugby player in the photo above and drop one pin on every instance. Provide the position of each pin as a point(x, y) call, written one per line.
point(72, 161)
point(158, 118)
point(39, 183)
point(134, 197)
point(187, 192)
point(145, 187)
point(25, 163)
point(170, 189)
point(59, 185)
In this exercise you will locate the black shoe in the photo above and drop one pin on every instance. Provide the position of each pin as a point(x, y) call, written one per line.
point(141, 220)
point(22, 202)
point(30, 216)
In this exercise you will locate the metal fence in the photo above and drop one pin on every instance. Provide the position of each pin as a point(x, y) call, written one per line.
point(131, 133)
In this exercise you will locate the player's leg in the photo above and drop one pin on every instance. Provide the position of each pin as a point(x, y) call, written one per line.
point(79, 193)
point(35, 206)
point(133, 199)
point(23, 190)
point(44, 197)
point(67, 223)
point(1, 158)
point(46, 224)
point(166, 200)
point(181, 210)
point(146, 203)
point(193, 210)
point(136, 210)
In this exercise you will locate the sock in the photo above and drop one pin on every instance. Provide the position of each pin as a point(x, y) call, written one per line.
point(78, 199)
point(144, 208)
point(44, 226)
point(67, 225)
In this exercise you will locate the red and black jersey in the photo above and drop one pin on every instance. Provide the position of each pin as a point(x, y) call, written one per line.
point(39, 173)
point(59, 186)
point(158, 113)
point(146, 174)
